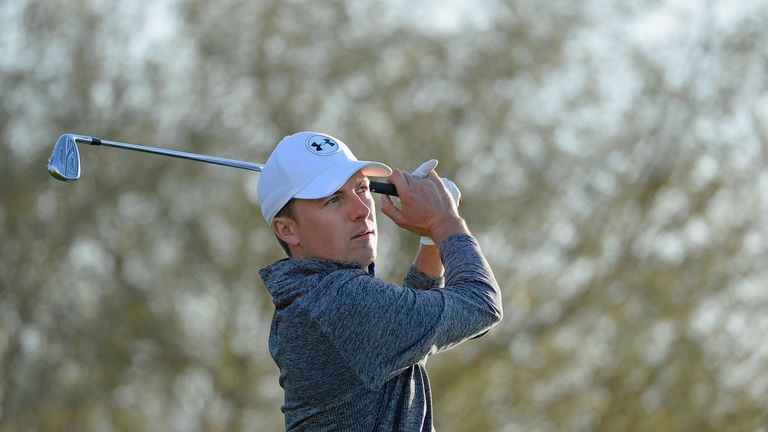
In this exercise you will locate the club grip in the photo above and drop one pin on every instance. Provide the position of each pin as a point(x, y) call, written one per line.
point(383, 188)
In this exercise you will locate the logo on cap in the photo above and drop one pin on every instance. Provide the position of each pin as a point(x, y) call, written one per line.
point(322, 145)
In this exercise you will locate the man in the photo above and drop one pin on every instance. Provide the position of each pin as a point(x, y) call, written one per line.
point(351, 348)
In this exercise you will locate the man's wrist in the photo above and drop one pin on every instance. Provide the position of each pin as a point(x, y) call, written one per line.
point(428, 261)
point(442, 231)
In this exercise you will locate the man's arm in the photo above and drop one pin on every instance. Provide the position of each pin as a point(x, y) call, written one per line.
point(426, 272)
point(427, 210)
point(428, 261)
point(379, 328)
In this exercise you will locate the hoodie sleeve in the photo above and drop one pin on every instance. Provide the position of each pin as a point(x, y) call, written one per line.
point(381, 328)
point(417, 279)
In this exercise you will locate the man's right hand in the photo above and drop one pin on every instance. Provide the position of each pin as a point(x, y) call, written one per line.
point(427, 208)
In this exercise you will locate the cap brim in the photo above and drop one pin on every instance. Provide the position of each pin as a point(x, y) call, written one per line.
point(334, 178)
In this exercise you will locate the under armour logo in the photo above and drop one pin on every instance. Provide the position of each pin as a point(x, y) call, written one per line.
point(322, 145)
point(319, 147)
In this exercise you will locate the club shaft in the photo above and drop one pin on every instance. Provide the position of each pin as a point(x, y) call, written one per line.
point(378, 187)
point(173, 153)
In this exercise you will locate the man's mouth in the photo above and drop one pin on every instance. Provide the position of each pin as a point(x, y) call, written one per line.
point(364, 233)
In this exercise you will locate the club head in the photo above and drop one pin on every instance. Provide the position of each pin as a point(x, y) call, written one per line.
point(64, 163)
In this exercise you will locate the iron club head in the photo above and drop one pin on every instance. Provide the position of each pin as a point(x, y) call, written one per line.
point(64, 163)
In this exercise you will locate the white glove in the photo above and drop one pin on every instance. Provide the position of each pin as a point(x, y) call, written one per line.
point(422, 171)
point(425, 168)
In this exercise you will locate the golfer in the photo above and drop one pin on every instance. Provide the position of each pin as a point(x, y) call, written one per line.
point(351, 348)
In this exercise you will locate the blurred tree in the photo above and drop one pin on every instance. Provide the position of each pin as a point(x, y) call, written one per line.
point(611, 159)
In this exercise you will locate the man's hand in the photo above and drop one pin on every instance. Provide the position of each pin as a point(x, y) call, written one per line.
point(430, 165)
point(427, 206)
point(422, 171)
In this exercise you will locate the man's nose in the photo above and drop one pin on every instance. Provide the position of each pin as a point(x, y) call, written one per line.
point(360, 209)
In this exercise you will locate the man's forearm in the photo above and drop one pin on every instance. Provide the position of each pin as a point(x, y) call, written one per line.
point(428, 258)
point(428, 261)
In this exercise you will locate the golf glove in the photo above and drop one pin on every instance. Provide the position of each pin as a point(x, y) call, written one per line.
point(422, 171)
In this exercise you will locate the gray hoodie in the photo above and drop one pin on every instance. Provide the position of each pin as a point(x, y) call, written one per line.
point(351, 348)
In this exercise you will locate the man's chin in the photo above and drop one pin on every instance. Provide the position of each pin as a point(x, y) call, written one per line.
point(366, 260)
point(364, 254)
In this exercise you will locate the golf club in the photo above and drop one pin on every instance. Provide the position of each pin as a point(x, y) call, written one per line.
point(64, 163)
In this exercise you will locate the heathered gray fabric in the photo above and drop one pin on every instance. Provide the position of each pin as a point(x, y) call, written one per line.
point(351, 348)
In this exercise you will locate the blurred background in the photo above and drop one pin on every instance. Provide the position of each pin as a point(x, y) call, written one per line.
point(611, 157)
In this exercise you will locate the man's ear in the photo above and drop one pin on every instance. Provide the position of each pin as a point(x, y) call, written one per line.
point(285, 230)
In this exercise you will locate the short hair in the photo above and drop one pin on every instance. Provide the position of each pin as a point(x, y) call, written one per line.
point(286, 211)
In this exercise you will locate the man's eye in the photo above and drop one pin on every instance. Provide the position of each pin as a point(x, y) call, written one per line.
point(362, 188)
point(332, 200)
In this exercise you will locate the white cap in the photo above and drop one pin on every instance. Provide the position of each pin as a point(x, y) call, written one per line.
point(308, 165)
